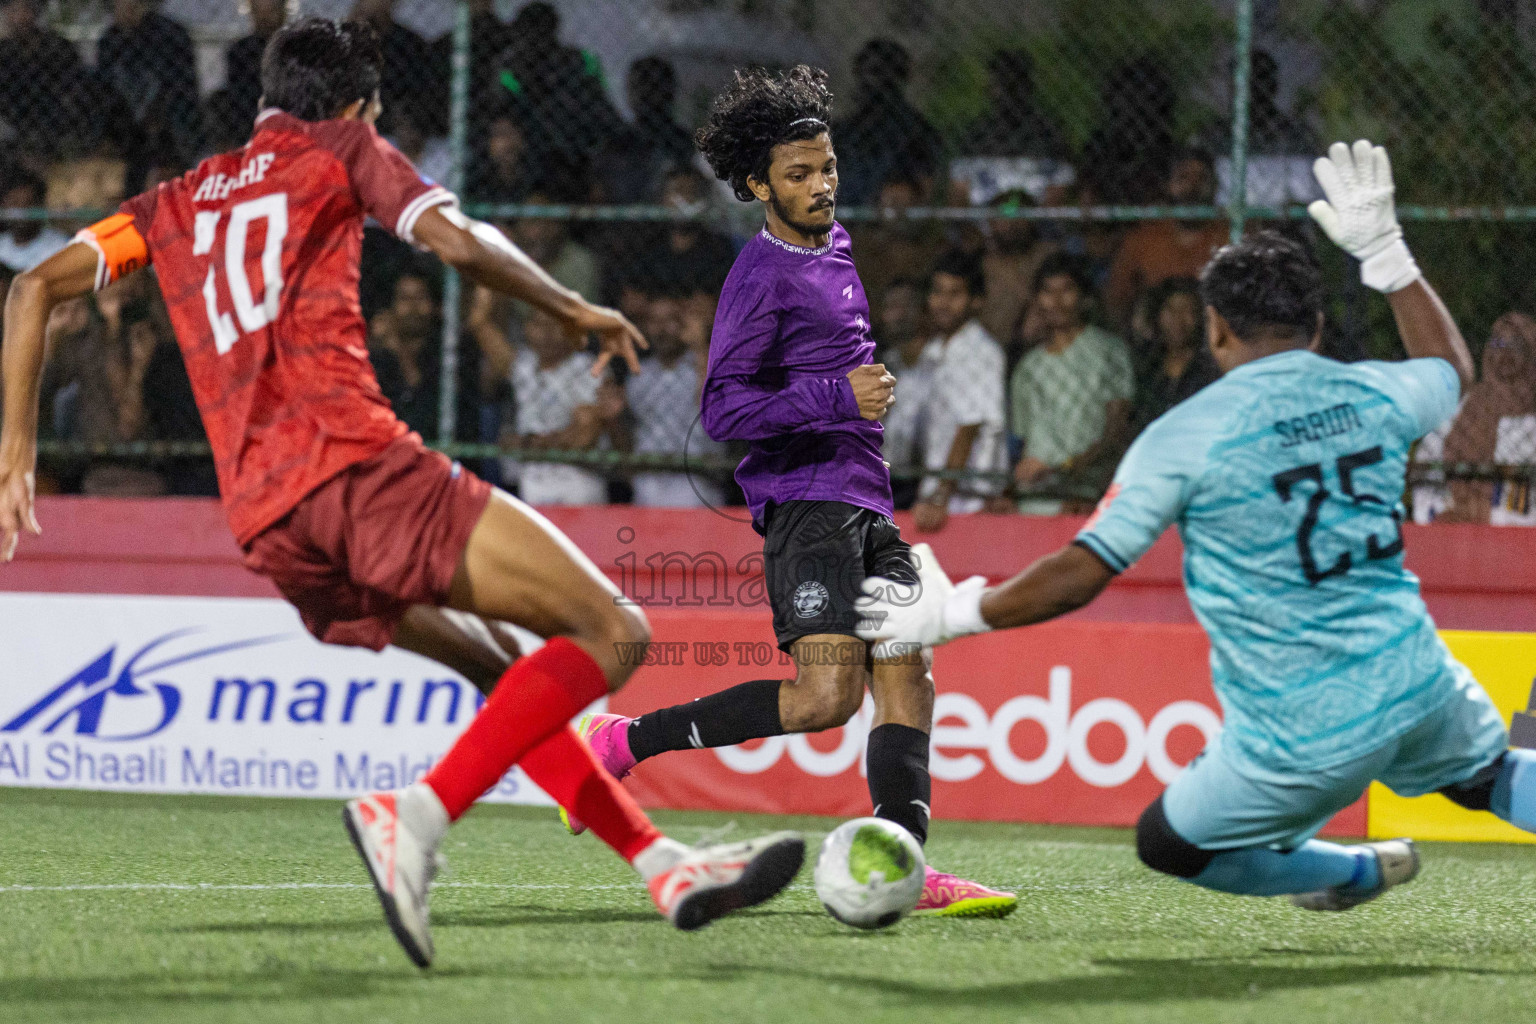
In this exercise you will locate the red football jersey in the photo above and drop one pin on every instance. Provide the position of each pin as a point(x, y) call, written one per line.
point(258, 252)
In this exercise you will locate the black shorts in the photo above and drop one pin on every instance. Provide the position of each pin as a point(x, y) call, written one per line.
point(815, 556)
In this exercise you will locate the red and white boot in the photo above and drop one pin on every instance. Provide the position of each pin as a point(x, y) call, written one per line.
point(707, 882)
point(396, 834)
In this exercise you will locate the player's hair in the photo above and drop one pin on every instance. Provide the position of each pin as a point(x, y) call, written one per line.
point(965, 266)
point(1065, 264)
point(1264, 285)
point(315, 67)
point(759, 110)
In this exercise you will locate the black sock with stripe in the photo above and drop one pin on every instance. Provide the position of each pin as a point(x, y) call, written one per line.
point(899, 785)
point(746, 712)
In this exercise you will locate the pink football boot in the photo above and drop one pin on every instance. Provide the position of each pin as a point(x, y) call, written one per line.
point(608, 736)
point(944, 895)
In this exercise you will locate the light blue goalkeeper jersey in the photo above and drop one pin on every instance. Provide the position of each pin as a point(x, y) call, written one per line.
point(1285, 479)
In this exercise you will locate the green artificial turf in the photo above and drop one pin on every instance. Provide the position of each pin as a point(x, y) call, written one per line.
point(533, 925)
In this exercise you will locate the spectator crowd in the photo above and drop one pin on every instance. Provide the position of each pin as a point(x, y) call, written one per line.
point(1028, 353)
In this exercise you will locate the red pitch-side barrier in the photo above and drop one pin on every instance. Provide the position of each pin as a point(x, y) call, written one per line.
point(1079, 721)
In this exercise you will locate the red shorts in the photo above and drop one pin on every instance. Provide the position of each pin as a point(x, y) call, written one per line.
point(374, 539)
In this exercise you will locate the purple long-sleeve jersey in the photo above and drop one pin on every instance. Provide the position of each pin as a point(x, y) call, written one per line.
point(792, 322)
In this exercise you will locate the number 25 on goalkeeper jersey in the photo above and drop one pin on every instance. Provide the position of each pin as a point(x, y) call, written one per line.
point(1285, 479)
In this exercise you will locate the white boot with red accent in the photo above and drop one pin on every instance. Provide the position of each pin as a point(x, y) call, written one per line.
point(396, 834)
point(699, 884)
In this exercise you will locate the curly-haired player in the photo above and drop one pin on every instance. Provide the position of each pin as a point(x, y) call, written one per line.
point(789, 373)
point(373, 538)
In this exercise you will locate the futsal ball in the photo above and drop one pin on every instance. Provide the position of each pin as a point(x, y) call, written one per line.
point(870, 873)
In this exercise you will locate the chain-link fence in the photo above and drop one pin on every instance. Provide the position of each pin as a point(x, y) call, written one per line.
point(1067, 166)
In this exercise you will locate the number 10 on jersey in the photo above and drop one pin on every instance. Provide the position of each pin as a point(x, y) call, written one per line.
point(253, 316)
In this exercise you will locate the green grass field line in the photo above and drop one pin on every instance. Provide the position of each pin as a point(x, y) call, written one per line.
point(256, 910)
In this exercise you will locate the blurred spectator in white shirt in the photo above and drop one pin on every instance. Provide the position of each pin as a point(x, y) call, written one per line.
point(900, 332)
point(962, 414)
point(560, 406)
point(664, 404)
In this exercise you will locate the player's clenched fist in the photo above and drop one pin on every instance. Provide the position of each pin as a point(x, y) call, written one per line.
point(873, 388)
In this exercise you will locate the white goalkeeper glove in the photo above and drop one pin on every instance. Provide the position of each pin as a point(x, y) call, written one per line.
point(1359, 214)
point(933, 612)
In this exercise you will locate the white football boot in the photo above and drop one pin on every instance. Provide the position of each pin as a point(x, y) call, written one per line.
point(1397, 861)
point(708, 882)
point(396, 834)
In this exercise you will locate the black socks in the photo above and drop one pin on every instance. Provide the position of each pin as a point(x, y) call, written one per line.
point(746, 712)
point(899, 784)
point(897, 756)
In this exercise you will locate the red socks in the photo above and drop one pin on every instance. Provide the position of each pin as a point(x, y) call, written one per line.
point(535, 699)
point(565, 768)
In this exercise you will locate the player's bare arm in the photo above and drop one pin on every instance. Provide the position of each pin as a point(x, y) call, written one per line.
point(487, 257)
point(1057, 584)
point(1427, 329)
point(938, 611)
point(67, 274)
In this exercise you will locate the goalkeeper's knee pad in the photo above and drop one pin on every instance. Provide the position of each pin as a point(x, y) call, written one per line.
point(1162, 849)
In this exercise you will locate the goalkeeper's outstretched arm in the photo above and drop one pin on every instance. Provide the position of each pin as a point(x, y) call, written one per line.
point(937, 611)
point(1427, 329)
point(1359, 214)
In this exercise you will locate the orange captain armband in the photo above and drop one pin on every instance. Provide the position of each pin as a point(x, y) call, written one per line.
point(120, 249)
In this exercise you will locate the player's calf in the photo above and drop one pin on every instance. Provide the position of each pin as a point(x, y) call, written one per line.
point(1323, 876)
point(823, 695)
